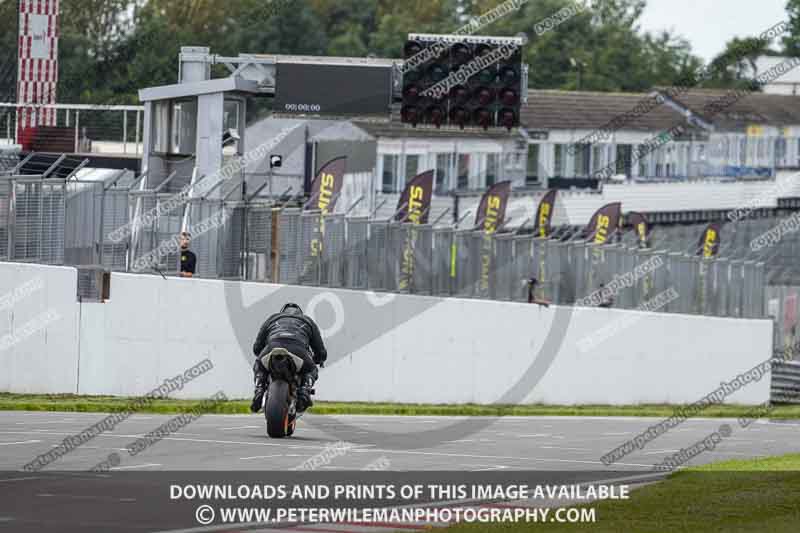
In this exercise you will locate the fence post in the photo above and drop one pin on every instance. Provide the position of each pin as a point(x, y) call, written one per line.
point(138, 131)
point(244, 266)
point(41, 225)
point(124, 132)
point(102, 220)
point(275, 243)
point(77, 130)
point(12, 216)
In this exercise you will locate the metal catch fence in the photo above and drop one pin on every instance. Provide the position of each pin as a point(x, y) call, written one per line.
point(122, 227)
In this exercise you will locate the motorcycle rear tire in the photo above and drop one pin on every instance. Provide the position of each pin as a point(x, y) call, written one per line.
point(277, 410)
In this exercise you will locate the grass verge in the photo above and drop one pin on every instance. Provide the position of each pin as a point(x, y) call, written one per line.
point(747, 496)
point(68, 402)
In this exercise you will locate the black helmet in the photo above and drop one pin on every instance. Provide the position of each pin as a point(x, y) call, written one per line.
point(292, 309)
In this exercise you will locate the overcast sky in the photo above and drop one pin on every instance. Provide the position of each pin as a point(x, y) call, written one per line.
point(709, 24)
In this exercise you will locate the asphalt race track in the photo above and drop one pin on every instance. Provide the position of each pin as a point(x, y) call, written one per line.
point(563, 446)
point(238, 442)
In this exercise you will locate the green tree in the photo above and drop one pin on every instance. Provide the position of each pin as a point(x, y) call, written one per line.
point(791, 42)
point(601, 48)
point(737, 63)
point(116, 47)
point(8, 51)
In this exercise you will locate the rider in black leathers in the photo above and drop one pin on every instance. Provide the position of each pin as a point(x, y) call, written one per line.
point(296, 332)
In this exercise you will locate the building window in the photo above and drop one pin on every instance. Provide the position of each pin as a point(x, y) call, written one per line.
point(659, 157)
point(642, 156)
point(412, 166)
point(390, 172)
point(492, 169)
point(160, 128)
point(532, 172)
point(762, 150)
point(184, 127)
point(582, 163)
point(230, 115)
point(230, 120)
point(743, 151)
point(597, 157)
point(720, 150)
point(624, 159)
point(670, 160)
point(559, 161)
point(780, 151)
point(444, 171)
point(463, 172)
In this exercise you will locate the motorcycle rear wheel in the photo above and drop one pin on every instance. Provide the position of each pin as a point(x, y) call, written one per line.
point(277, 410)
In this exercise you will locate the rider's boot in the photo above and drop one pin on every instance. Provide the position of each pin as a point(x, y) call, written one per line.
point(260, 379)
point(305, 391)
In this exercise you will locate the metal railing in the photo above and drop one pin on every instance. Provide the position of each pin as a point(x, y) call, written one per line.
point(101, 129)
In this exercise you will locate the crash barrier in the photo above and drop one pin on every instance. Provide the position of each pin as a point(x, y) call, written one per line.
point(39, 318)
point(383, 347)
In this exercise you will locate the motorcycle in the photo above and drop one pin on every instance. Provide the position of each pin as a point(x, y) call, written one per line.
point(280, 401)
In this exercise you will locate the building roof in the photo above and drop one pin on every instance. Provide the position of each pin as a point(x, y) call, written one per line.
point(755, 108)
point(180, 90)
point(558, 110)
point(554, 110)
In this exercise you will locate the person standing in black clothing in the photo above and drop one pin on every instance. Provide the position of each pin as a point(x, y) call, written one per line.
point(607, 300)
point(532, 299)
point(188, 259)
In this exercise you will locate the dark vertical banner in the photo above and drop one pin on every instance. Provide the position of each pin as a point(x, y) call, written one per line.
point(492, 209)
point(413, 207)
point(414, 204)
point(327, 185)
point(325, 191)
point(708, 246)
point(638, 222)
point(490, 217)
point(544, 214)
point(600, 230)
point(604, 223)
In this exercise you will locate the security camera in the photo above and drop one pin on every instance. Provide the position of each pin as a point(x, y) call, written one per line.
point(275, 161)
